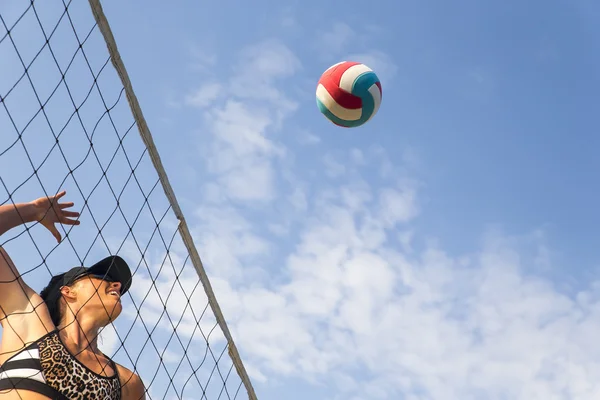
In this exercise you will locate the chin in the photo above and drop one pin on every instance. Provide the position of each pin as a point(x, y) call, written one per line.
point(113, 313)
point(116, 311)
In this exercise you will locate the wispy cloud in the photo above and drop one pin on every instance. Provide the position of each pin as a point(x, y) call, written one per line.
point(336, 39)
point(204, 95)
point(380, 62)
point(343, 42)
point(241, 153)
point(203, 58)
point(353, 294)
point(428, 323)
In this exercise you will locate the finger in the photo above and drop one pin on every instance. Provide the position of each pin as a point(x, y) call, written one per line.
point(70, 221)
point(66, 205)
point(70, 213)
point(55, 232)
point(60, 194)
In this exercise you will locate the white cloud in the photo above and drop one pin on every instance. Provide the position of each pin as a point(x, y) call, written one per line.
point(270, 59)
point(336, 39)
point(397, 206)
point(205, 95)
point(343, 43)
point(230, 243)
point(241, 152)
point(380, 62)
point(108, 340)
point(307, 138)
point(333, 167)
point(347, 299)
point(428, 324)
point(203, 58)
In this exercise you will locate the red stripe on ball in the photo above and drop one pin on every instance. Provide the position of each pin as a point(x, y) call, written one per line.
point(331, 81)
point(344, 99)
point(336, 72)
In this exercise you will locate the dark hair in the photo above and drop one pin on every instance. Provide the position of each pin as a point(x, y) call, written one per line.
point(51, 297)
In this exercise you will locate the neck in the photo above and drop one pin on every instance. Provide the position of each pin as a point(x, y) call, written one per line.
point(82, 334)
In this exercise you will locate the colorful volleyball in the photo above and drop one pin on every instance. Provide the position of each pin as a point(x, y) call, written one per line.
point(349, 94)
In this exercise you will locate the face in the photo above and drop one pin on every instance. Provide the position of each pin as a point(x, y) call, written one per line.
point(97, 296)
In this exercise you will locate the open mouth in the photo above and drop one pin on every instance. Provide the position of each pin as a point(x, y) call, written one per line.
point(114, 293)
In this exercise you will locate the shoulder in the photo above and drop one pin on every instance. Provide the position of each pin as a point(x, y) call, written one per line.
point(132, 387)
point(24, 315)
point(20, 329)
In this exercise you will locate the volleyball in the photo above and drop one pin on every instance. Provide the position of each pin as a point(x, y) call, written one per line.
point(349, 94)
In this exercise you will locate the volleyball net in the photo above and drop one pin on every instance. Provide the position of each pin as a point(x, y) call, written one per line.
point(70, 120)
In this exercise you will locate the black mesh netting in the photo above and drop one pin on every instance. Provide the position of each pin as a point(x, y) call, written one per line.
point(65, 124)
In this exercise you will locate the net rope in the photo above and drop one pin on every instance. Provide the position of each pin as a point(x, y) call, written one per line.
point(67, 122)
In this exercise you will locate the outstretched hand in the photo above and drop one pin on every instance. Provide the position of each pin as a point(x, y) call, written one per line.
point(49, 211)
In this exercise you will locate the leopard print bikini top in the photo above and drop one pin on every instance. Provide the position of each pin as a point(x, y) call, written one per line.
point(48, 368)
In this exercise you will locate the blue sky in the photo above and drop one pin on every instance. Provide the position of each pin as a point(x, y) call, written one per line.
point(445, 250)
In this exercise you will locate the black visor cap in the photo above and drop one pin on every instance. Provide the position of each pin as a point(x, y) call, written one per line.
point(114, 268)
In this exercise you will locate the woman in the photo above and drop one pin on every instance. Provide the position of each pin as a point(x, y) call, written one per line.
point(49, 340)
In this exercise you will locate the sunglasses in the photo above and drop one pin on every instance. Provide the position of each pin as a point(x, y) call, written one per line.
point(97, 276)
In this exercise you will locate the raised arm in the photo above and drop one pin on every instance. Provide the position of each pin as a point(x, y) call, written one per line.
point(13, 215)
point(15, 295)
point(46, 210)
